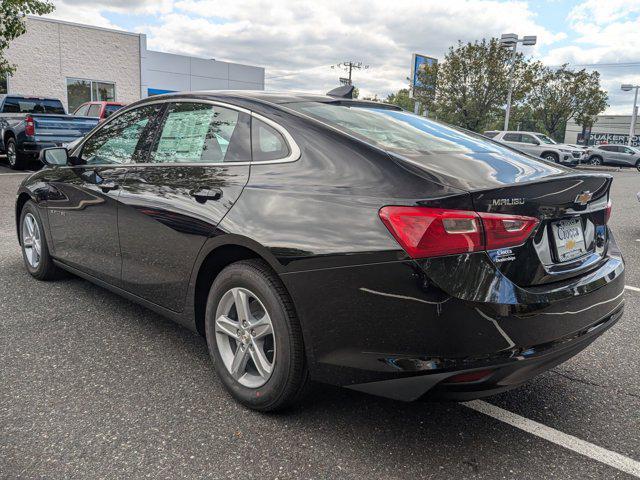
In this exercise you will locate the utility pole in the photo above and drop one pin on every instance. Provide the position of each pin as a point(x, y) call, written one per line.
point(349, 67)
point(634, 114)
point(511, 40)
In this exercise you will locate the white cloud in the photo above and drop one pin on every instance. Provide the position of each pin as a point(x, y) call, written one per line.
point(293, 36)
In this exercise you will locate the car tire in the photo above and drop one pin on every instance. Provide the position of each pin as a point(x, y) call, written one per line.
point(551, 157)
point(596, 160)
point(33, 242)
point(16, 160)
point(638, 165)
point(239, 342)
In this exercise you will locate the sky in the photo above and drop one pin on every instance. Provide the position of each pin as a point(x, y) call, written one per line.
point(297, 42)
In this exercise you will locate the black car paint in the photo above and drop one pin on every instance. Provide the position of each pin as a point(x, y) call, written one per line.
point(372, 318)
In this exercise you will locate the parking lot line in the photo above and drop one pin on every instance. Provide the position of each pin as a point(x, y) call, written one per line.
point(633, 289)
point(602, 455)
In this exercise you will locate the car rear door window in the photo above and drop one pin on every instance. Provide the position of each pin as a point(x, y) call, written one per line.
point(512, 137)
point(94, 110)
point(117, 141)
point(197, 133)
point(267, 143)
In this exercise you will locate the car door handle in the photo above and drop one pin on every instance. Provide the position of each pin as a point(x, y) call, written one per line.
point(204, 194)
point(108, 186)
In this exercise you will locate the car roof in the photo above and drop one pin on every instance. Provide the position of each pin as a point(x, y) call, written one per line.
point(19, 95)
point(274, 97)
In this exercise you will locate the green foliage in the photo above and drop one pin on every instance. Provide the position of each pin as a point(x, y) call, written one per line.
point(558, 95)
point(12, 25)
point(401, 99)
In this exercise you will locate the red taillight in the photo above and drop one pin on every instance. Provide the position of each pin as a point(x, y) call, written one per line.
point(607, 212)
point(506, 230)
point(431, 232)
point(30, 127)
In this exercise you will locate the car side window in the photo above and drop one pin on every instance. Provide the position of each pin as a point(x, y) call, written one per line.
point(196, 133)
point(512, 137)
point(528, 139)
point(94, 110)
point(82, 111)
point(628, 150)
point(266, 142)
point(117, 141)
point(606, 148)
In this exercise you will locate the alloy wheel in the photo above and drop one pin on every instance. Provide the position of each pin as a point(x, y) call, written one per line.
point(245, 337)
point(31, 240)
point(11, 153)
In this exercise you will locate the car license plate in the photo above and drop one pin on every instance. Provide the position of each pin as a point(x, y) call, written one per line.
point(569, 239)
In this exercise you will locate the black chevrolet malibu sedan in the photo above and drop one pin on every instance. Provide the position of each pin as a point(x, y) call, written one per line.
point(320, 238)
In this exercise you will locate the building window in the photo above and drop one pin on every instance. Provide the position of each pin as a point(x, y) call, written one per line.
point(3, 84)
point(80, 91)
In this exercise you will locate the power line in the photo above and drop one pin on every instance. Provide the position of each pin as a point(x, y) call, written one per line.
point(348, 67)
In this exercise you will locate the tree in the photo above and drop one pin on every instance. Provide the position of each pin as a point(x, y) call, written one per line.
point(561, 94)
point(401, 99)
point(472, 83)
point(12, 24)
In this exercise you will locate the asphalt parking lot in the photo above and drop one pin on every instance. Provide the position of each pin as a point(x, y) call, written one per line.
point(94, 386)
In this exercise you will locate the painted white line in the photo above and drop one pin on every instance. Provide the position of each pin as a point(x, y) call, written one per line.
point(602, 455)
point(633, 289)
point(17, 173)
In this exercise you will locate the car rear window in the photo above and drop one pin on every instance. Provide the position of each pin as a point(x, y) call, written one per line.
point(396, 131)
point(32, 105)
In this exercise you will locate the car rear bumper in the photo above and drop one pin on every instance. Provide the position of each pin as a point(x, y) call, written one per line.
point(403, 329)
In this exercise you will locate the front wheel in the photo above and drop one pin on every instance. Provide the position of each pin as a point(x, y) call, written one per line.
point(254, 337)
point(638, 165)
point(35, 250)
point(597, 161)
point(551, 157)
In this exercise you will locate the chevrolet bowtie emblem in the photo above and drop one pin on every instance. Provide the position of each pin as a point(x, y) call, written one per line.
point(584, 197)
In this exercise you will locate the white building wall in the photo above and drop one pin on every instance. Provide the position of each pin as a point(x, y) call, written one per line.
point(168, 71)
point(52, 51)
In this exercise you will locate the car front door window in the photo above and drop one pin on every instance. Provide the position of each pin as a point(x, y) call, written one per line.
point(117, 141)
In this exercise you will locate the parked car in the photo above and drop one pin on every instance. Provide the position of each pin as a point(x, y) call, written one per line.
point(312, 237)
point(539, 145)
point(101, 110)
point(29, 124)
point(615, 155)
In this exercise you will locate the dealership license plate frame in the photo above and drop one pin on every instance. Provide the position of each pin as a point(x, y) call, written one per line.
point(563, 252)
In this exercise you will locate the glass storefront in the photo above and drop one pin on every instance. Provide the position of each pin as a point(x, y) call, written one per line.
point(80, 91)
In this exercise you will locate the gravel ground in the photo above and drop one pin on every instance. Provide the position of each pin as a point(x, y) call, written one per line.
point(94, 386)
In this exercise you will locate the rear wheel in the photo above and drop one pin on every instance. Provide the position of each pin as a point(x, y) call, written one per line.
point(254, 337)
point(35, 251)
point(15, 159)
point(551, 157)
point(596, 160)
point(638, 165)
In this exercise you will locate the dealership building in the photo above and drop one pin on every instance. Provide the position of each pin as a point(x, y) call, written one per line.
point(606, 129)
point(79, 63)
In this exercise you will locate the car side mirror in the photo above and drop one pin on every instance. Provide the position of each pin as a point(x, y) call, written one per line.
point(54, 156)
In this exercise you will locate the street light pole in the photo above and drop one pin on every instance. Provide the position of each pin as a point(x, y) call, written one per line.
point(632, 129)
point(511, 40)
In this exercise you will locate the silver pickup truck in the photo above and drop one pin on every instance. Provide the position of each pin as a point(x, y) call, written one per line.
point(29, 124)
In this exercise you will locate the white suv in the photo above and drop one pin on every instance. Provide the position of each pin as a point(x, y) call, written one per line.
point(539, 145)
